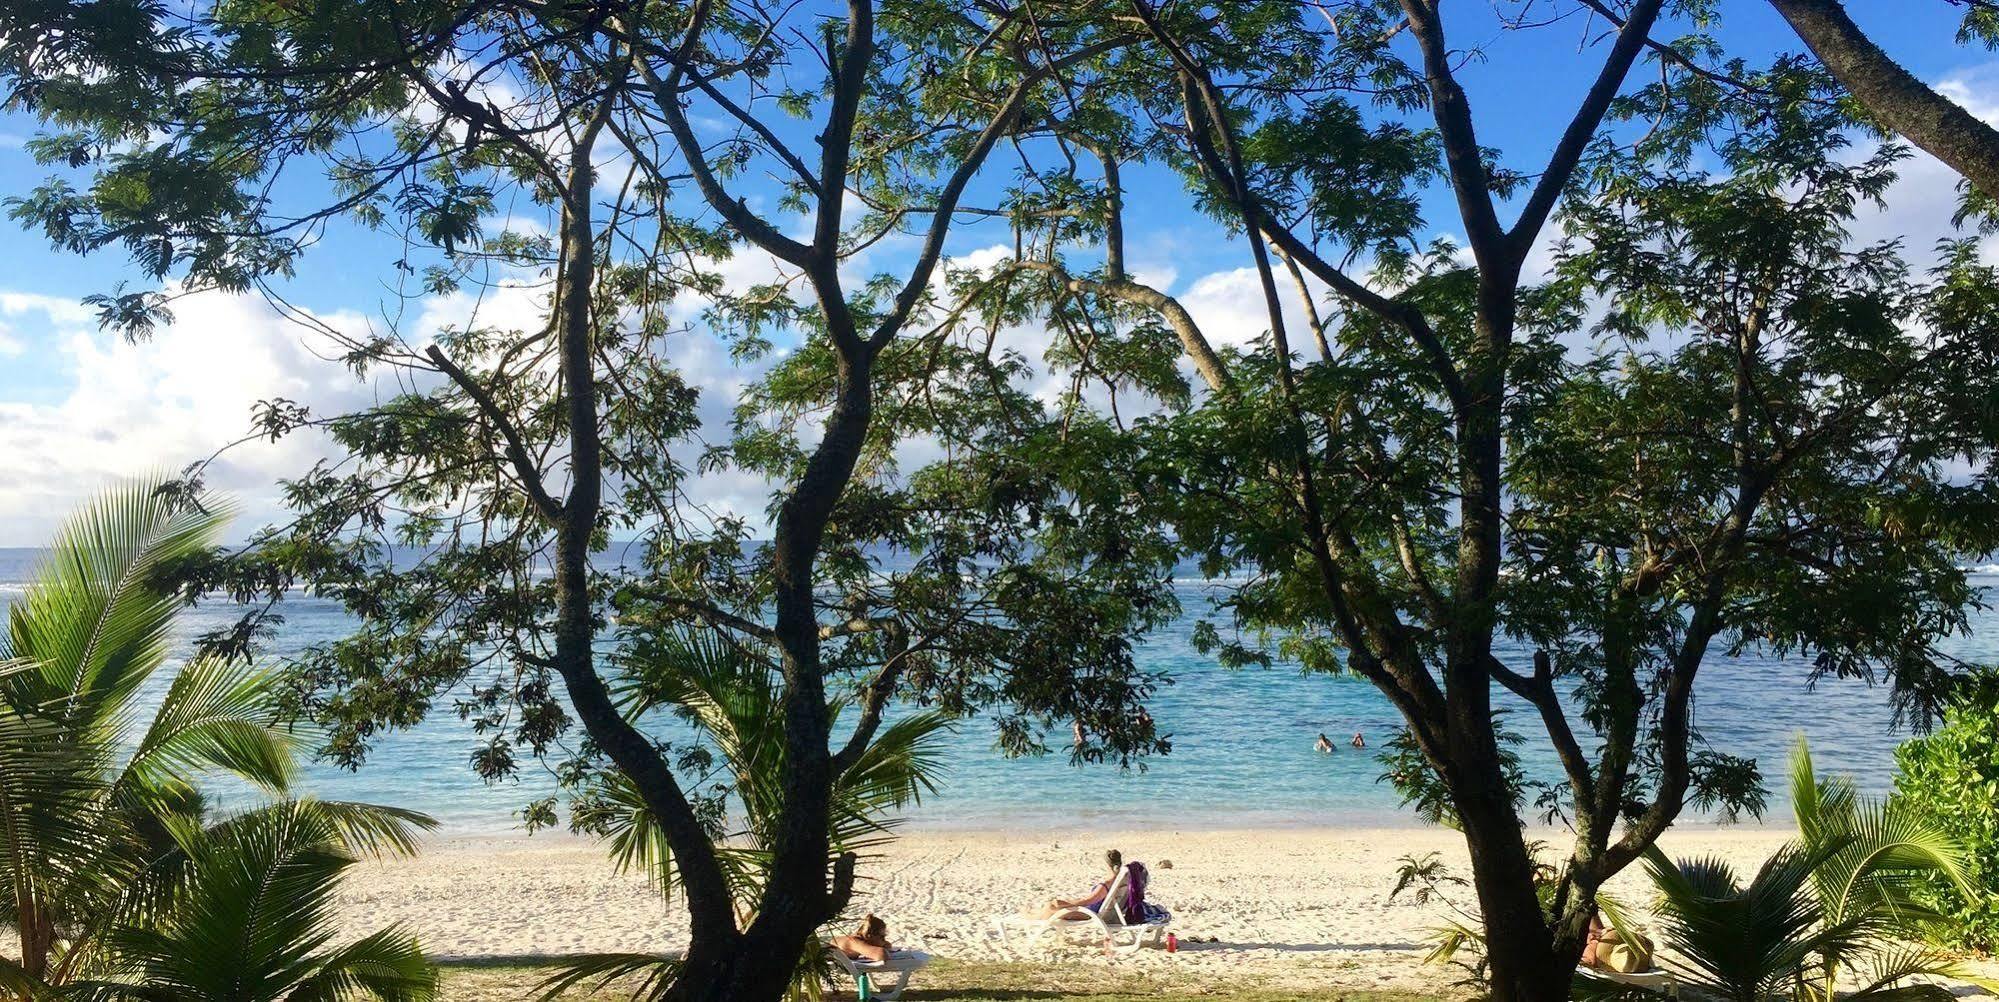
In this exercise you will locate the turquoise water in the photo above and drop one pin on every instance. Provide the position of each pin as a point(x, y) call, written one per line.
point(1242, 741)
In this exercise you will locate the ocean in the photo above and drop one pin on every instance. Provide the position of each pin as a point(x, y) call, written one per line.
point(1242, 753)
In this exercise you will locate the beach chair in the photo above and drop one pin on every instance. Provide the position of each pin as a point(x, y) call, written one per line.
point(1630, 937)
point(901, 963)
point(1108, 924)
point(1654, 980)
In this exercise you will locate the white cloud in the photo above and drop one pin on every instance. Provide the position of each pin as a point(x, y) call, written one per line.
point(1231, 309)
point(158, 405)
point(68, 312)
point(1976, 89)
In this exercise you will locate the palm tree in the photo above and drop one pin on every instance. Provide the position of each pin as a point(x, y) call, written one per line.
point(730, 693)
point(246, 914)
point(81, 763)
point(100, 817)
point(1878, 853)
point(1827, 910)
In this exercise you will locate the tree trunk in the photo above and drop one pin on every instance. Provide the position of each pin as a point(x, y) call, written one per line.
point(715, 949)
point(801, 892)
point(1525, 962)
point(38, 938)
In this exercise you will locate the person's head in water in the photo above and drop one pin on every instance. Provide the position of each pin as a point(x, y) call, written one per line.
point(1116, 861)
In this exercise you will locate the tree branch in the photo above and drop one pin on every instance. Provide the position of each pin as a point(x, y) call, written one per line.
point(1894, 95)
point(1408, 318)
point(545, 505)
point(1631, 38)
point(954, 187)
point(666, 95)
point(1207, 363)
point(1466, 161)
point(707, 611)
point(874, 698)
point(1539, 690)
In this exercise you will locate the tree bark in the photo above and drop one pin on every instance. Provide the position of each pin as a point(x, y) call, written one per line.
point(797, 899)
point(1894, 95)
point(715, 940)
point(1525, 958)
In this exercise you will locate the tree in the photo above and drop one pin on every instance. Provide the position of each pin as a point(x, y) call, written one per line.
point(86, 772)
point(220, 143)
point(1830, 911)
point(1895, 98)
point(247, 915)
point(1707, 428)
point(110, 865)
point(730, 692)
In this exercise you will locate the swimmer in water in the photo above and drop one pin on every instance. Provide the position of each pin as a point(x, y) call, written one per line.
point(1324, 744)
point(1358, 741)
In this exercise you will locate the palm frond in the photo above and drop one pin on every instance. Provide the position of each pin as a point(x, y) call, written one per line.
point(1824, 912)
point(373, 830)
point(1446, 940)
point(636, 841)
point(216, 715)
point(1904, 970)
point(901, 765)
point(96, 622)
point(1885, 850)
point(244, 909)
point(388, 965)
point(15, 979)
point(1743, 942)
point(61, 853)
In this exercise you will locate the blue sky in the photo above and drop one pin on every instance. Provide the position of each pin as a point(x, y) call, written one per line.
point(78, 407)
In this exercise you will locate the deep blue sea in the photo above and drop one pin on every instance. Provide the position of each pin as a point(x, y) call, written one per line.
point(1242, 740)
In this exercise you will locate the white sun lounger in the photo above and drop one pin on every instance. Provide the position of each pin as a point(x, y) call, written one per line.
point(1655, 979)
point(1108, 924)
point(901, 963)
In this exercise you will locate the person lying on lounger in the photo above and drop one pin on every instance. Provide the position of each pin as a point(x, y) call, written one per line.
point(869, 942)
point(1091, 901)
point(1612, 950)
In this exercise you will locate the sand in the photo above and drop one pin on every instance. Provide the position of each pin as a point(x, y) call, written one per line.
point(1288, 907)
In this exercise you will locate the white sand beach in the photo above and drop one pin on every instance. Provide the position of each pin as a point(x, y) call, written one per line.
point(1288, 907)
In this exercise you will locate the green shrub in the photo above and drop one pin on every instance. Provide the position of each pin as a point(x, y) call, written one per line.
point(1952, 776)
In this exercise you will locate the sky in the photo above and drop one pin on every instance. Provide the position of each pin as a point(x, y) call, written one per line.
point(80, 408)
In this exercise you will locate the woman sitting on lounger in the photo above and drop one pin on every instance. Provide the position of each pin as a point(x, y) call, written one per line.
point(1095, 899)
point(869, 942)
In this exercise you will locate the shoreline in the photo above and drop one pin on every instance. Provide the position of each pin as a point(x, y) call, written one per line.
point(1299, 907)
point(1117, 824)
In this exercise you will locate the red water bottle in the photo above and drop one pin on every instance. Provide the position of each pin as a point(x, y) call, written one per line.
point(1172, 943)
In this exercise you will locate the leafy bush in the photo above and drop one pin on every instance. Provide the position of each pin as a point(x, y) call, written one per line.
point(1951, 776)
